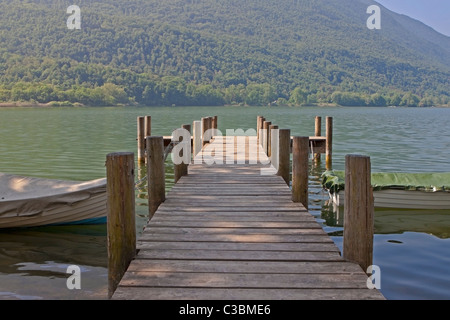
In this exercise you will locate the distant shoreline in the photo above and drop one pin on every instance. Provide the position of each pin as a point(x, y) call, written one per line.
point(76, 104)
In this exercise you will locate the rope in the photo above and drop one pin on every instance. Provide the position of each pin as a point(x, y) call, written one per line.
point(137, 184)
point(169, 148)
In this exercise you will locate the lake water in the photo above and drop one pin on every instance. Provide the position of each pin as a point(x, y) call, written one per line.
point(412, 248)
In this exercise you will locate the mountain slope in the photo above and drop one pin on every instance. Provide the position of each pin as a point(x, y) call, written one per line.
point(214, 52)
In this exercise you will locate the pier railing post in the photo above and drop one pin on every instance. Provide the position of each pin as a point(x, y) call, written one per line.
point(318, 133)
point(358, 211)
point(258, 125)
point(269, 144)
point(182, 168)
point(214, 125)
point(266, 137)
point(284, 154)
point(148, 126)
point(274, 147)
point(141, 139)
point(197, 137)
point(121, 219)
point(260, 130)
point(206, 135)
point(329, 144)
point(156, 183)
point(300, 176)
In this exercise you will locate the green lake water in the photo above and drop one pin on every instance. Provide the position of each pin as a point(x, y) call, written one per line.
point(412, 248)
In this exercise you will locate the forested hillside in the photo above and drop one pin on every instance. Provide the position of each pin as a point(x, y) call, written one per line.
point(211, 52)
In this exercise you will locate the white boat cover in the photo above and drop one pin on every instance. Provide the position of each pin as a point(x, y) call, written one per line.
point(27, 196)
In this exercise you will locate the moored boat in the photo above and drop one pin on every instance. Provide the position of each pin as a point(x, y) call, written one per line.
point(397, 190)
point(30, 201)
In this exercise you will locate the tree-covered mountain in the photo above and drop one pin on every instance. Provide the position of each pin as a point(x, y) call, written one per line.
point(211, 52)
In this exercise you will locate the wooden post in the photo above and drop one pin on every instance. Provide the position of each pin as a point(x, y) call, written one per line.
point(260, 130)
point(329, 144)
point(358, 211)
point(205, 127)
point(182, 168)
point(274, 146)
point(214, 125)
point(265, 135)
point(156, 176)
point(197, 137)
point(258, 125)
point(300, 175)
point(284, 154)
point(318, 133)
point(148, 126)
point(269, 142)
point(121, 219)
point(141, 139)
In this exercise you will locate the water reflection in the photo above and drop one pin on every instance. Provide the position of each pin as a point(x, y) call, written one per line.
point(389, 221)
point(34, 262)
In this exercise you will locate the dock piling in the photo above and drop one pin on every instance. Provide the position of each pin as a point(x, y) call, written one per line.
point(300, 146)
point(269, 144)
point(197, 137)
point(155, 173)
point(121, 224)
point(141, 139)
point(181, 169)
point(329, 143)
point(358, 211)
point(284, 155)
point(317, 133)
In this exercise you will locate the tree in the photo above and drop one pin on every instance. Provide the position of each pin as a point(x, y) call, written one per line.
point(298, 96)
point(410, 100)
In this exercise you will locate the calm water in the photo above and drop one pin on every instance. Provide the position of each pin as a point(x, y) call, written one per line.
point(412, 248)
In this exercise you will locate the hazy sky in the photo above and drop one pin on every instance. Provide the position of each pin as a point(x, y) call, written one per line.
point(435, 13)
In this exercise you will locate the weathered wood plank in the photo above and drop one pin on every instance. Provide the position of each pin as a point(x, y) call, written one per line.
point(241, 246)
point(233, 215)
point(144, 293)
point(245, 280)
point(235, 225)
point(245, 217)
point(255, 267)
point(237, 255)
point(237, 231)
point(266, 238)
point(242, 209)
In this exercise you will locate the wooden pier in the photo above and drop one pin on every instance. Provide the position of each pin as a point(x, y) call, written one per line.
point(232, 231)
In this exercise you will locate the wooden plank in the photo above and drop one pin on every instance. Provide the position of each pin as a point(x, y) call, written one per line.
point(263, 294)
point(245, 280)
point(237, 231)
point(236, 225)
point(178, 209)
point(242, 246)
point(255, 267)
point(266, 238)
point(237, 255)
point(232, 218)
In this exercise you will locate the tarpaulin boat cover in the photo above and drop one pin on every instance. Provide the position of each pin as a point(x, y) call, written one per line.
point(334, 181)
point(24, 196)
